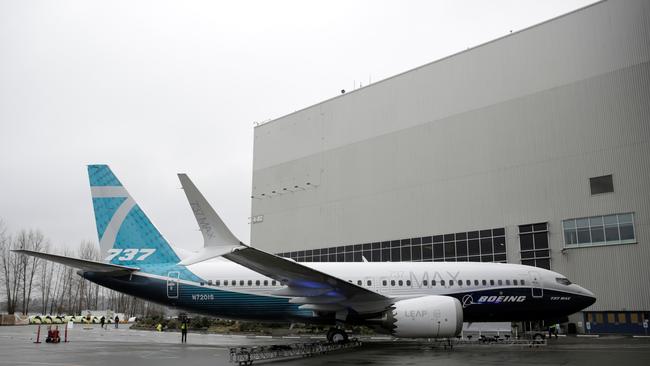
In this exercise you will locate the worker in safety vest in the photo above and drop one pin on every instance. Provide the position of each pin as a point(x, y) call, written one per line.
point(184, 331)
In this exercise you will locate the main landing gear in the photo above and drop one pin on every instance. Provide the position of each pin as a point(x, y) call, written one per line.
point(337, 335)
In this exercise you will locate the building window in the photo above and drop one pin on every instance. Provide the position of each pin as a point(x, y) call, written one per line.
point(599, 230)
point(533, 243)
point(473, 246)
point(602, 184)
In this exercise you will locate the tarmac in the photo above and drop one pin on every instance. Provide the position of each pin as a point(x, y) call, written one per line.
point(123, 346)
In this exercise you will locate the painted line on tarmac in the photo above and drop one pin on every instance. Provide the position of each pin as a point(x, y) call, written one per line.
point(638, 336)
point(44, 363)
point(588, 335)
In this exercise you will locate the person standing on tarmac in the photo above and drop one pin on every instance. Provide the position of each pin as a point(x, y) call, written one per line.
point(117, 321)
point(102, 321)
point(184, 331)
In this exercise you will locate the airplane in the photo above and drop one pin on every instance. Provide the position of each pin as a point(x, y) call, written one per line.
point(231, 280)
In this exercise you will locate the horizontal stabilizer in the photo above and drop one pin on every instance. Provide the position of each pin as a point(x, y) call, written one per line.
point(83, 264)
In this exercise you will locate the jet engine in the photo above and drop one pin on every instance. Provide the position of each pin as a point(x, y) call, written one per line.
point(425, 317)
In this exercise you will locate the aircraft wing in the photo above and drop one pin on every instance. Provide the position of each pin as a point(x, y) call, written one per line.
point(83, 264)
point(312, 289)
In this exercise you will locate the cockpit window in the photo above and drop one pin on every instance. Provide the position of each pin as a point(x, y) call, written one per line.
point(563, 281)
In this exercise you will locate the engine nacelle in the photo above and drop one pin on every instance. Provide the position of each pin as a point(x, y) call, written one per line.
point(426, 317)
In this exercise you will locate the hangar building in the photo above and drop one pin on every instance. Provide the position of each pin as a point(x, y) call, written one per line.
point(533, 148)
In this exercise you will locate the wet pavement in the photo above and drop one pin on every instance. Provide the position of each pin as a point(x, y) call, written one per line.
point(122, 346)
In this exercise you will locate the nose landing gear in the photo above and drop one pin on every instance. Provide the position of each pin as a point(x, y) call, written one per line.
point(337, 335)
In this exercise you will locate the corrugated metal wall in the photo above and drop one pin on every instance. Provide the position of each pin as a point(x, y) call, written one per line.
point(504, 134)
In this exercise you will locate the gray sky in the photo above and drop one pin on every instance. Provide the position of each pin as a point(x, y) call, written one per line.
point(154, 88)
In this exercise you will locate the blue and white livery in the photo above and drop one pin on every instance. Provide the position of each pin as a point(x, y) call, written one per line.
point(229, 279)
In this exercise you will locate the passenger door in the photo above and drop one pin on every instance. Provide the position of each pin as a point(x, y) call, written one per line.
point(536, 284)
point(172, 284)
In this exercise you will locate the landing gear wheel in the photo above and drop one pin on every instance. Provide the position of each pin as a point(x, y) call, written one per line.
point(335, 335)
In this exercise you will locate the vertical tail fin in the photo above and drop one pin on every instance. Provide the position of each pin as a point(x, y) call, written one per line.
point(126, 235)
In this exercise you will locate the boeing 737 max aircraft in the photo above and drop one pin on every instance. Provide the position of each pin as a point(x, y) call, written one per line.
point(230, 280)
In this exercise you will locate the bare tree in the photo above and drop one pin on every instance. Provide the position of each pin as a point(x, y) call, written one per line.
point(89, 251)
point(29, 240)
point(46, 279)
point(10, 269)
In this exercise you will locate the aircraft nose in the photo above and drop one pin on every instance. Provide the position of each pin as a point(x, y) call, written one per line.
point(588, 296)
point(587, 292)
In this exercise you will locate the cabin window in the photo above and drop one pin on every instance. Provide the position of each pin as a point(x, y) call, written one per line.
point(273, 283)
point(392, 282)
point(451, 282)
point(241, 282)
point(266, 282)
point(209, 282)
point(500, 282)
point(225, 282)
point(468, 283)
point(383, 283)
point(433, 282)
point(369, 283)
point(424, 282)
point(460, 282)
point(400, 282)
point(217, 282)
point(514, 282)
point(442, 282)
point(484, 283)
point(359, 282)
point(257, 283)
point(563, 281)
point(508, 282)
point(408, 282)
point(202, 283)
point(250, 282)
point(523, 283)
point(491, 282)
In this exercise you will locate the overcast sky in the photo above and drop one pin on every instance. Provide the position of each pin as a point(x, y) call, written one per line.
point(154, 88)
